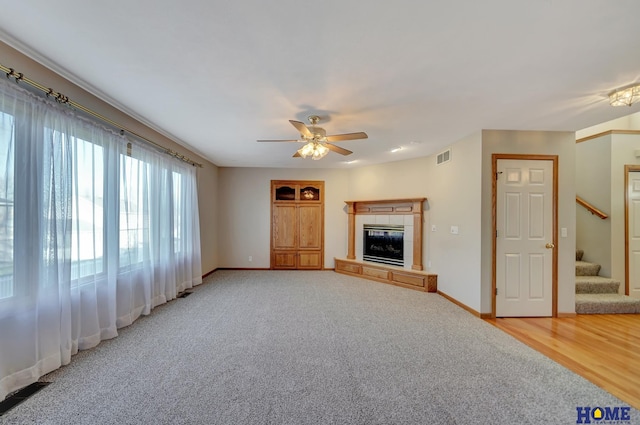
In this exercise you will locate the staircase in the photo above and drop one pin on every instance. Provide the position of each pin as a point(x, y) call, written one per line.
point(599, 295)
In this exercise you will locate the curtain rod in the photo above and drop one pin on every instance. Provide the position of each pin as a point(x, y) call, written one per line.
point(60, 98)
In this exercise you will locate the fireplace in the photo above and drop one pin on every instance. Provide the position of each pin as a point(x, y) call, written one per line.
point(384, 243)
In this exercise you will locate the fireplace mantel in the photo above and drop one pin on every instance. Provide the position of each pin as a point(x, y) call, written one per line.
point(410, 206)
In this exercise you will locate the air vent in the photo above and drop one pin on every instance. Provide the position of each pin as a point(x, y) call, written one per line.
point(21, 395)
point(443, 157)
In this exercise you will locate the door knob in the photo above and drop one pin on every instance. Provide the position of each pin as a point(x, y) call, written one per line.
point(550, 245)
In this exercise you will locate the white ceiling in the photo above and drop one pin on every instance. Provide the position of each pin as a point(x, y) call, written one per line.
point(217, 75)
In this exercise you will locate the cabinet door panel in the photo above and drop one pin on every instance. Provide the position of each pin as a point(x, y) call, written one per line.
point(310, 227)
point(309, 260)
point(284, 227)
point(284, 260)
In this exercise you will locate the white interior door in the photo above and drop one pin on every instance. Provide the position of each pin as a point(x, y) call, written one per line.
point(524, 240)
point(633, 191)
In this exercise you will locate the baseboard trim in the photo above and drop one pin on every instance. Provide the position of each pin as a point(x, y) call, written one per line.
point(464, 306)
point(255, 268)
point(207, 274)
point(242, 268)
point(560, 314)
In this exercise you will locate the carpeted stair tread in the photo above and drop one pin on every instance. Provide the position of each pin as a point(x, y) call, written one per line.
point(596, 285)
point(579, 254)
point(584, 268)
point(606, 304)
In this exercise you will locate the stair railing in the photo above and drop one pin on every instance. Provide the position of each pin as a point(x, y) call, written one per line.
point(593, 210)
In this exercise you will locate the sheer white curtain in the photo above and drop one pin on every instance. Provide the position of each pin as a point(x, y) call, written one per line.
point(93, 234)
point(159, 234)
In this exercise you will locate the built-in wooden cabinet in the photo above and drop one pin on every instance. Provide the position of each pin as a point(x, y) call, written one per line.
point(297, 224)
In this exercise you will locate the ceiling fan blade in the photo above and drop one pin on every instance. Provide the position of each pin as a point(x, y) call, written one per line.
point(301, 128)
point(338, 149)
point(278, 140)
point(347, 136)
point(297, 155)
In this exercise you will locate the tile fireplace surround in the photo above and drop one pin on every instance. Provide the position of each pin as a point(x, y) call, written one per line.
point(407, 212)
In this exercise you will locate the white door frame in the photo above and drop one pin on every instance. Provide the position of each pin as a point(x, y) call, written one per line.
point(627, 169)
point(494, 196)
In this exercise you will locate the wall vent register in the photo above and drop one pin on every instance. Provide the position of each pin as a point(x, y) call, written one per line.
point(443, 157)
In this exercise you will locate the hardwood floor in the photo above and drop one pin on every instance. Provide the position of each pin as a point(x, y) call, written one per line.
point(605, 349)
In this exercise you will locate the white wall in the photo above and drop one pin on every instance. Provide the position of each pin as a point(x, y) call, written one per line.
point(623, 147)
point(593, 184)
point(455, 200)
point(534, 142)
point(453, 195)
point(244, 218)
point(208, 211)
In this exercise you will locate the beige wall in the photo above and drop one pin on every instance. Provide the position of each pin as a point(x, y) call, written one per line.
point(534, 142)
point(207, 176)
point(593, 184)
point(244, 215)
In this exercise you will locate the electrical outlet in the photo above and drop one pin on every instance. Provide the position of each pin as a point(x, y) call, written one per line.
point(433, 227)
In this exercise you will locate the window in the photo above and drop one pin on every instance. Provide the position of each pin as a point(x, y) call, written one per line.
point(72, 207)
point(178, 212)
point(87, 236)
point(6, 205)
point(134, 210)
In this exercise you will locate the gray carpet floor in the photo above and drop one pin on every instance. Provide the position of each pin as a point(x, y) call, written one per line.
point(268, 347)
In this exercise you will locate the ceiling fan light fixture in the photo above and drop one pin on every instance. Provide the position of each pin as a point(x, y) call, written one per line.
point(315, 150)
point(316, 142)
point(625, 96)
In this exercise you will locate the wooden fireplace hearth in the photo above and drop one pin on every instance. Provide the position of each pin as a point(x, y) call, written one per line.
point(413, 278)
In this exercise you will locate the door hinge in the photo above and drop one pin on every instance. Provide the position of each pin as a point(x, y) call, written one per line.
point(496, 291)
point(497, 174)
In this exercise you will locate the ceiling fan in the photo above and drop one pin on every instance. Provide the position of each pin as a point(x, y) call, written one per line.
point(317, 143)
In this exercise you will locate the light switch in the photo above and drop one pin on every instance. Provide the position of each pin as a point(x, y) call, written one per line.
point(454, 230)
point(563, 232)
point(433, 227)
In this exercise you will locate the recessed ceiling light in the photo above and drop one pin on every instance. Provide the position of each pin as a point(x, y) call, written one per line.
point(396, 149)
point(351, 162)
